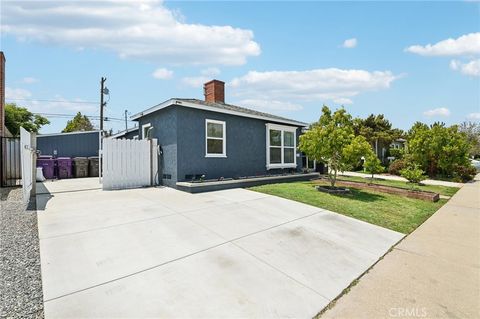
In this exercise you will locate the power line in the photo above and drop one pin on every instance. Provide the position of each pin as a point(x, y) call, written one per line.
point(60, 101)
point(93, 117)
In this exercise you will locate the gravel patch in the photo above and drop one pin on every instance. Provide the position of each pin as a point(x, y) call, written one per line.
point(20, 277)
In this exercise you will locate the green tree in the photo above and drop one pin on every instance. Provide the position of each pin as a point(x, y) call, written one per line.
point(17, 116)
point(472, 130)
point(78, 123)
point(332, 141)
point(377, 130)
point(438, 149)
point(373, 165)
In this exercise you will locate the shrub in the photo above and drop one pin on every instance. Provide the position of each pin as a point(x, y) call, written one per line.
point(413, 174)
point(397, 152)
point(396, 166)
point(464, 173)
point(373, 165)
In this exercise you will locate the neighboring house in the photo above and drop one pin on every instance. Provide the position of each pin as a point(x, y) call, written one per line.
point(129, 134)
point(398, 143)
point(211, 138)
point(74, 144)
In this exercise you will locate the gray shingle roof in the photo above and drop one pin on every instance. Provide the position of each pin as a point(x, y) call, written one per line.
point(236, 108)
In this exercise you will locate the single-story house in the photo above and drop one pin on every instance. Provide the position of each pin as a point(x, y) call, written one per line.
point(128, 134)
point(210, 139)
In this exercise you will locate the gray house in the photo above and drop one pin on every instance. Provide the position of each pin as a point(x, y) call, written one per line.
point(218, 140)
point(73, 144)
point(128, 134)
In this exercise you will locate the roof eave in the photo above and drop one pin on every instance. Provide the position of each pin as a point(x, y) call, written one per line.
point(214, 109)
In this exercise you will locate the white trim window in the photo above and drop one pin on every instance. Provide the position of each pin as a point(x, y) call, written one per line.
point(215, 138)
point(281, 146)
point(145, 128)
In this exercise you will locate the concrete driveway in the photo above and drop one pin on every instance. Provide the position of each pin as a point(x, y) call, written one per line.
point(159, 252)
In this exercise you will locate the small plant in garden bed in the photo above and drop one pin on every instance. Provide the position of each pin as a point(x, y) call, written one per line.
point(413, 174)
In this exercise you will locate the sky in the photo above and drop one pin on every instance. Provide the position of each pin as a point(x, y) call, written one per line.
point(411, 61)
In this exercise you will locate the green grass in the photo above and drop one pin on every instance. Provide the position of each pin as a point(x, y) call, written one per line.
point(442, 190)
point(395, 212)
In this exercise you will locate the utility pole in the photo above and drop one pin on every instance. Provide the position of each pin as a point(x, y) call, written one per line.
point(102, 104)
point(126, 125)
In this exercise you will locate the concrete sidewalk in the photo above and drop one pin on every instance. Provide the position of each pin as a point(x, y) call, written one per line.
point(432, 273)
point(399, 178)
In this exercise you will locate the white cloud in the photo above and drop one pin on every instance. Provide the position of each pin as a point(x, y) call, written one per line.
point(350, 43)
point(29, 80)
point(133, 29)
point(441, 111)
point(16, 94)
point(343, 101)
point(474, 116)
point(470, 68)
point(205, 76)
point(468, 44)
point(210, 72)
point(269, 105)
point(57, 104)
point(162, 74)
point(318, 85)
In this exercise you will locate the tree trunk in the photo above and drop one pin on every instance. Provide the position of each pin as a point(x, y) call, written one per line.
point(334, 179)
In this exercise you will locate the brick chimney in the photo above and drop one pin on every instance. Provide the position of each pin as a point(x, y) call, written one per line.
point(214, 91)
point(2, 94)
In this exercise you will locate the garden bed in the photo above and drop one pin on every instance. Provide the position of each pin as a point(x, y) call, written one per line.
point(333, 190)
point(418, 194)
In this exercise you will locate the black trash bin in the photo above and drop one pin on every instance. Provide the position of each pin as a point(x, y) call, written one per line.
point(80, 167)
point(93, 166)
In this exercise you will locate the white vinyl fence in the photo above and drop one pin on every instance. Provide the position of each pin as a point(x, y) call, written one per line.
point(26, 154)
point(128, 163)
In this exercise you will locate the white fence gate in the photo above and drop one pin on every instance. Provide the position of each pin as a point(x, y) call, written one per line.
point(26, 154)
point(128, 163)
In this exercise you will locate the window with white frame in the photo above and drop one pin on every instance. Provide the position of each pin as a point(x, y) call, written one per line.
point(281, 145)
point(145, 128)
point(215, 139)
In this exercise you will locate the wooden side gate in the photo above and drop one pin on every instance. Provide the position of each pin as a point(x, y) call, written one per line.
point(128, 163)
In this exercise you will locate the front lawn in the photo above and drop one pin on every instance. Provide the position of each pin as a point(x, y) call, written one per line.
point(395, 212)
point(442, 190)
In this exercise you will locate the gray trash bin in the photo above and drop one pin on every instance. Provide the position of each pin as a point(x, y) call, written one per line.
point(93, 166)
point(80, 168)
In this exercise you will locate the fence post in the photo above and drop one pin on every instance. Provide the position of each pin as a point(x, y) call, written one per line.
point(33, 143)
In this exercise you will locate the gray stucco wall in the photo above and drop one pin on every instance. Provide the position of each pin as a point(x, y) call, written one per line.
point(245, 146)
point(82, 144)
point(164, 124)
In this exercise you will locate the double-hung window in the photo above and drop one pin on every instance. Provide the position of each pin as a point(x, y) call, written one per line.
point(215, 139)
point(281, 145)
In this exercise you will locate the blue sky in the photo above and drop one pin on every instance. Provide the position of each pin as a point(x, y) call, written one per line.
point(286, 58)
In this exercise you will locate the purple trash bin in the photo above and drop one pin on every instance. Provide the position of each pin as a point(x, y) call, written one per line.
point(48, 167)
point(64, 167)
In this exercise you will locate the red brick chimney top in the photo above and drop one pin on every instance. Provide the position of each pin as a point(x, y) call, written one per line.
point(214, 91)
